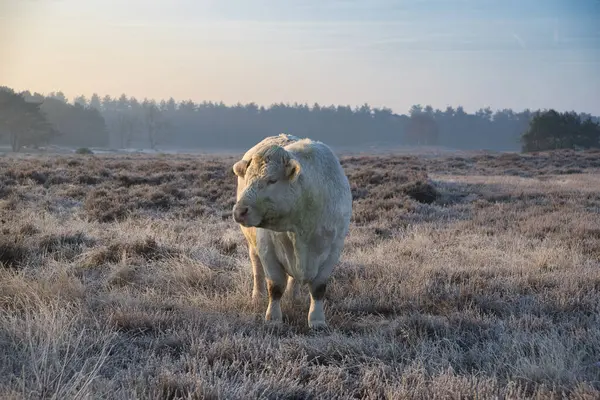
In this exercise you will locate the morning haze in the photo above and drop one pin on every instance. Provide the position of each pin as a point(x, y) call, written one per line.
point(502, 54)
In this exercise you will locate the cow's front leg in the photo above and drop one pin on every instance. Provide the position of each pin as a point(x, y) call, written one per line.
point(276, 286)
point(274, 273)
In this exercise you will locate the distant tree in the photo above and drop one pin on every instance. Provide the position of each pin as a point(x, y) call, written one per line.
point(81, 100)
point(415, 109)
point(485, 113)
point(134, 104)
point(449, 112)
point(108, 104)
point(80, 126)
point(171, 105)
point(123, 103)
point(95, 102)
point(162, 106)
point(550, 130)
point(126, 126)
point(154, 122)
point(23, 121)
point(422, 128)
point(58, 96)
point(187, 106)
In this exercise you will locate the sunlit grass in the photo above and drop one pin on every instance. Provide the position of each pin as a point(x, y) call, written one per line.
point(125, 277)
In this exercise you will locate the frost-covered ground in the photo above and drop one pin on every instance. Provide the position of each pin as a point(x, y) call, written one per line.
point(124, 276)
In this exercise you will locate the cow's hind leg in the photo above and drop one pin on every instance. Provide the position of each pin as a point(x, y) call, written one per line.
point(293, 288)
point(258, 273)
point(316, 314)
point(318, 286)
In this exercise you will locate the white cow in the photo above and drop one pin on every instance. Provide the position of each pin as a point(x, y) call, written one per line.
point(294, 206)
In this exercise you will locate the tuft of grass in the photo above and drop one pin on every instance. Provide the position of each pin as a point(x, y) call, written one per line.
point(83, 150)
point(146, 249)
point(12, 253)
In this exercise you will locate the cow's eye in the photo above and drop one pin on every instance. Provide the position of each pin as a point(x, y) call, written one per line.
point(271, 181)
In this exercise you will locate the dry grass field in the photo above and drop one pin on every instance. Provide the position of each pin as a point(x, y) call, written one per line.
point(125, 277)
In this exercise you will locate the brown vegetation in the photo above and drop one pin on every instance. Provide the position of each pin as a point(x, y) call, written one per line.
point(475, 276)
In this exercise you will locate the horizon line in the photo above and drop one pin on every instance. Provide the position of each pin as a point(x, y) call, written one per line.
point(309, 105)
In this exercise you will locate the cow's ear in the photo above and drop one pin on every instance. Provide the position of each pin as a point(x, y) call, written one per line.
point(292, 169)
point(239, 168)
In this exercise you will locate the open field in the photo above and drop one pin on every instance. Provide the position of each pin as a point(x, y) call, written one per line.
point(463, 277)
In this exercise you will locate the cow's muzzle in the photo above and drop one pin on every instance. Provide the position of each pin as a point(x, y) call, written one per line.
point(240, 214)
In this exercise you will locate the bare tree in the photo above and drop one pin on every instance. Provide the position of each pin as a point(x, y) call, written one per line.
point(126, 126)
point(154, 122)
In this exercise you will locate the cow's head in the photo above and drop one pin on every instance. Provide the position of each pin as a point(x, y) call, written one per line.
point(271, 189)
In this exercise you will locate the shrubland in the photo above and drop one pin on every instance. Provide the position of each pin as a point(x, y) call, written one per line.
point(472, 276)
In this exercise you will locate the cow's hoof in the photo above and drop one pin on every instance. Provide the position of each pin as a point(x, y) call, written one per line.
point(274, 322)
point(274, 315)
point(317, 325)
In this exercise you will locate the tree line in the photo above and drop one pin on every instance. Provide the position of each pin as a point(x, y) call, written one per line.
point(125, 122)
point(28, 120)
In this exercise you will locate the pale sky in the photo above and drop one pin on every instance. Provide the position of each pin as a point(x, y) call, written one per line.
point(475, 53)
